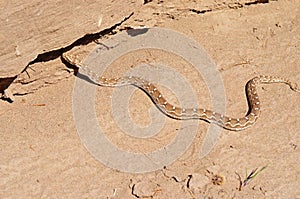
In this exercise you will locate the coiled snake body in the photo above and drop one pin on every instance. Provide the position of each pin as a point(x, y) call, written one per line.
point(234, 124)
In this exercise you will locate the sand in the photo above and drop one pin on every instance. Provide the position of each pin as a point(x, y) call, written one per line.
point(45, 155)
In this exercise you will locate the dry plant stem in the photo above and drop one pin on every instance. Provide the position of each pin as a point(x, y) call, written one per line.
point(249, 177)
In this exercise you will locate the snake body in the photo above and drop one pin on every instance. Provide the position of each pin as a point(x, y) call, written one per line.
point(229, 123)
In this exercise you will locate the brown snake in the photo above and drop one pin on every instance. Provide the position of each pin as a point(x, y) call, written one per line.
point(234, 124)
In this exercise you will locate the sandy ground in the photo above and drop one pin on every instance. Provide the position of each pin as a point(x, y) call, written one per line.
point(42, 155)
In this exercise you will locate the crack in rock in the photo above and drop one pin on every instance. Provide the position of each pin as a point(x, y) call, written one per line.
point(6, 90)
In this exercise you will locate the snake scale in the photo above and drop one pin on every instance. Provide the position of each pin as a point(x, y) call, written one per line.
point(229, 123)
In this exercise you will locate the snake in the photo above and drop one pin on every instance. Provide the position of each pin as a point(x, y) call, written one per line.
point(228, 123)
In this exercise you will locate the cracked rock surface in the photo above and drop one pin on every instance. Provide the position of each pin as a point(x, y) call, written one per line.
point(29, 29)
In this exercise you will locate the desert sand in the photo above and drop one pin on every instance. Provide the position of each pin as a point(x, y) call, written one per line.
point(43, 154)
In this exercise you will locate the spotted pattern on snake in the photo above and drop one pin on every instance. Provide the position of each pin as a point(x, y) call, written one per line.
point(229, 123)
